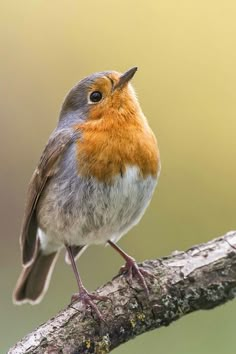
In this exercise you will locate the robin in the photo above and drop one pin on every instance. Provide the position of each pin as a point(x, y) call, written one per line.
point(95, 178)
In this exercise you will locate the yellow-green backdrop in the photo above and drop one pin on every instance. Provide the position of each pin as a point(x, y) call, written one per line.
point(186, 83)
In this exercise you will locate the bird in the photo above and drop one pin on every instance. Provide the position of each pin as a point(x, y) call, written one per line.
point(94, 180)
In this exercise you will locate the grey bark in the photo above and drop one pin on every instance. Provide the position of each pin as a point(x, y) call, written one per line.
point(201, 278)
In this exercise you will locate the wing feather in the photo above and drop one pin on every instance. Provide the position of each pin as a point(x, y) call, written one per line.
point(56, 146)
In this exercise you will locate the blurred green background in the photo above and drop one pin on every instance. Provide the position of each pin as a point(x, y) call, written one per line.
point(186, 54)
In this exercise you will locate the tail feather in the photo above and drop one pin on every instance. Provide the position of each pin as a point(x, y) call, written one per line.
point(34, 279)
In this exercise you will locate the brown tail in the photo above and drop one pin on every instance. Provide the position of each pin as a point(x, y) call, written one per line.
point(34, 280)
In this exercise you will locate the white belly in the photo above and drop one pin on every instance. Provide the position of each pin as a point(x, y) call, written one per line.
point(83, 211)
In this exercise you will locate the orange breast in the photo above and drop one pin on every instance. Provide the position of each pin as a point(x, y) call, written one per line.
point(108, 146)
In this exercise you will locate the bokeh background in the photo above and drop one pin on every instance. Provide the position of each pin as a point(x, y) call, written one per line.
point(186, 54)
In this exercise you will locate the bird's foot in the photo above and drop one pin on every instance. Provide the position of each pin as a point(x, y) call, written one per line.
point(87, 300)
point(131, 270)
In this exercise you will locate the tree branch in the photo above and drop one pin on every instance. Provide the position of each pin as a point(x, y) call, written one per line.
point(201, 278)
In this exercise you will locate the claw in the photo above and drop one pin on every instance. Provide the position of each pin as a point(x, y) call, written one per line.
point(131, 269)
point(87, 299)
point(84, 296)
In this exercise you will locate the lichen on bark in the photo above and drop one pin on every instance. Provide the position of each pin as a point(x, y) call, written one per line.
point(201, 278)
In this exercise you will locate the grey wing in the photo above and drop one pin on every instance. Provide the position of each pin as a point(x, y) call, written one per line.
point(56, 146)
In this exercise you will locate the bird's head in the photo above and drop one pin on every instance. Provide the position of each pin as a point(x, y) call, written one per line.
point(102, 95)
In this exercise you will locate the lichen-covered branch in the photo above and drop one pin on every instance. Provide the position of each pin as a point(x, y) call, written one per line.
point(201, 278)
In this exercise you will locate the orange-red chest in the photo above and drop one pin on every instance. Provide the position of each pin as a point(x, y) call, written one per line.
point(108, 146)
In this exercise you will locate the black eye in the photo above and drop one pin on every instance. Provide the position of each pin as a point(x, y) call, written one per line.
point(95, 96)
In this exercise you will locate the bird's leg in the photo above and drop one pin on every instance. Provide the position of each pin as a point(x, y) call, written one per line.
point(84, 295)
point(131, 267)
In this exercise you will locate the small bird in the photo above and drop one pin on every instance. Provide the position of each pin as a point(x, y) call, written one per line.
point(94, 180)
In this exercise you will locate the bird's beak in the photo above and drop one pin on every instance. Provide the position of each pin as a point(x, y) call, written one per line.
point(125, 78)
